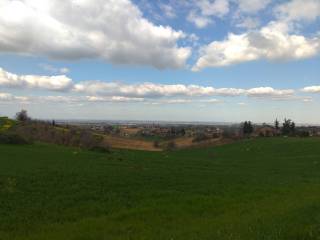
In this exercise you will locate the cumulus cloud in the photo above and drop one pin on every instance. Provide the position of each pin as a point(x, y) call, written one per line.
point(252, 6)
point(199, 21)
point(248, 23)
point(185, 101)
point(152, 90)
point(168, 10)
point(296, 10)
point(100, 91)
point(217, 8)
point(8, 97)
point(272, 42)
point(52, 69)
point(115, 31)
point(113, 99)
point(56, 83)
point(269, 92)
point(203, 11)
point(311, 89)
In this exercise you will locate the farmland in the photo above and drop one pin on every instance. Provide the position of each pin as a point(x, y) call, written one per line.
point(266, 188)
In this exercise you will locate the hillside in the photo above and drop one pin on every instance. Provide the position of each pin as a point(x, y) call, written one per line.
point(256, 189)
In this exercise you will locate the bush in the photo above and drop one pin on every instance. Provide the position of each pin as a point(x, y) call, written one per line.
point(303, 134)
point(171, 146)
point(6, 138)
point(156, 144)
point(100, 149)
point(201, 138)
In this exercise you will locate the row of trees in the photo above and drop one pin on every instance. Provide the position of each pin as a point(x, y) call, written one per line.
point(288, 127)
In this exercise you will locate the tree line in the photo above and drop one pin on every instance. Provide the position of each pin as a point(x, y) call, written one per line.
point(288, 127)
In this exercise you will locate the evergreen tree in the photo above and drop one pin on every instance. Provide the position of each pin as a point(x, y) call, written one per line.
point(277, 124)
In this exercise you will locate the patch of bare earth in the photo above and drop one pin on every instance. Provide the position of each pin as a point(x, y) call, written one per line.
point(127, 143)
point(188, 142)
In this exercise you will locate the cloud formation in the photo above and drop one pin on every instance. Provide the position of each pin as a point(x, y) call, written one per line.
point(311, 89)
point(55, 83)
point(104, 91)
point(296, 10)
point(115, 31)
point(203, 11)
point(252, 6)
point(272, 42)
point(8, 97)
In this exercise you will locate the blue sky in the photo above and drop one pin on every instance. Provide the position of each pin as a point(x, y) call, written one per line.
point(207, 60)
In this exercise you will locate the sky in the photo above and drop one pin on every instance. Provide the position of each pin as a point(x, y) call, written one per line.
point(166, 60)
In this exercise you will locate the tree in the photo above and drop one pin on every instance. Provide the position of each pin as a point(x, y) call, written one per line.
point(22, 116)
point(277, 124)
point(288, 127)
point(293, 127)
point(247, 128)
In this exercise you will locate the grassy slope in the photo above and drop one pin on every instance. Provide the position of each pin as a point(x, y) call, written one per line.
point(262, 189)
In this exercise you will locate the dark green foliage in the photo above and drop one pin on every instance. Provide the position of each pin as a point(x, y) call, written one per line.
point(288, 127)
point(22, 116)
point(247, 128)
point(303, 133)
point(11, 138)
point(266, 188)
point(156, 144)
point(277, 124)
point(67, 136)
point(171, 146)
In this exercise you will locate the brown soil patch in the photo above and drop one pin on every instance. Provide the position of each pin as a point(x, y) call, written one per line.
point(127, 143)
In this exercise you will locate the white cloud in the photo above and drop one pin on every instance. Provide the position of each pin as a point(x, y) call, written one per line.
point(307, 100)
point(113, 30)
point(242, 104)
point(269, 92)
point(8, 97)
point(252, 6)
point(248, 23)
point(203, 11)
point(117, 91)
point(56, 83)
point(217, 8)
point(113, 99)
point(152, 90)
point(168, 10)
point(272, 42)
point(98, 91)
point(52, 69)
point(296, 10)
point(311, 89)
point(198, 20)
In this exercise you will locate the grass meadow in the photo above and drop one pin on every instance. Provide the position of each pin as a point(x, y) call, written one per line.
point(254, 189)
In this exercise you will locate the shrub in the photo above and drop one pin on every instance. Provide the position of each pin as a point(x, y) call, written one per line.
point(201, 138)
point(22, 116)
point(10, 138)
point(101, 149)
point(303, 134)
point(156, 144)
point(171, 146)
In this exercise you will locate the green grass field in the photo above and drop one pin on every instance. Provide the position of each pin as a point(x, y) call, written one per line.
point(256, 189)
